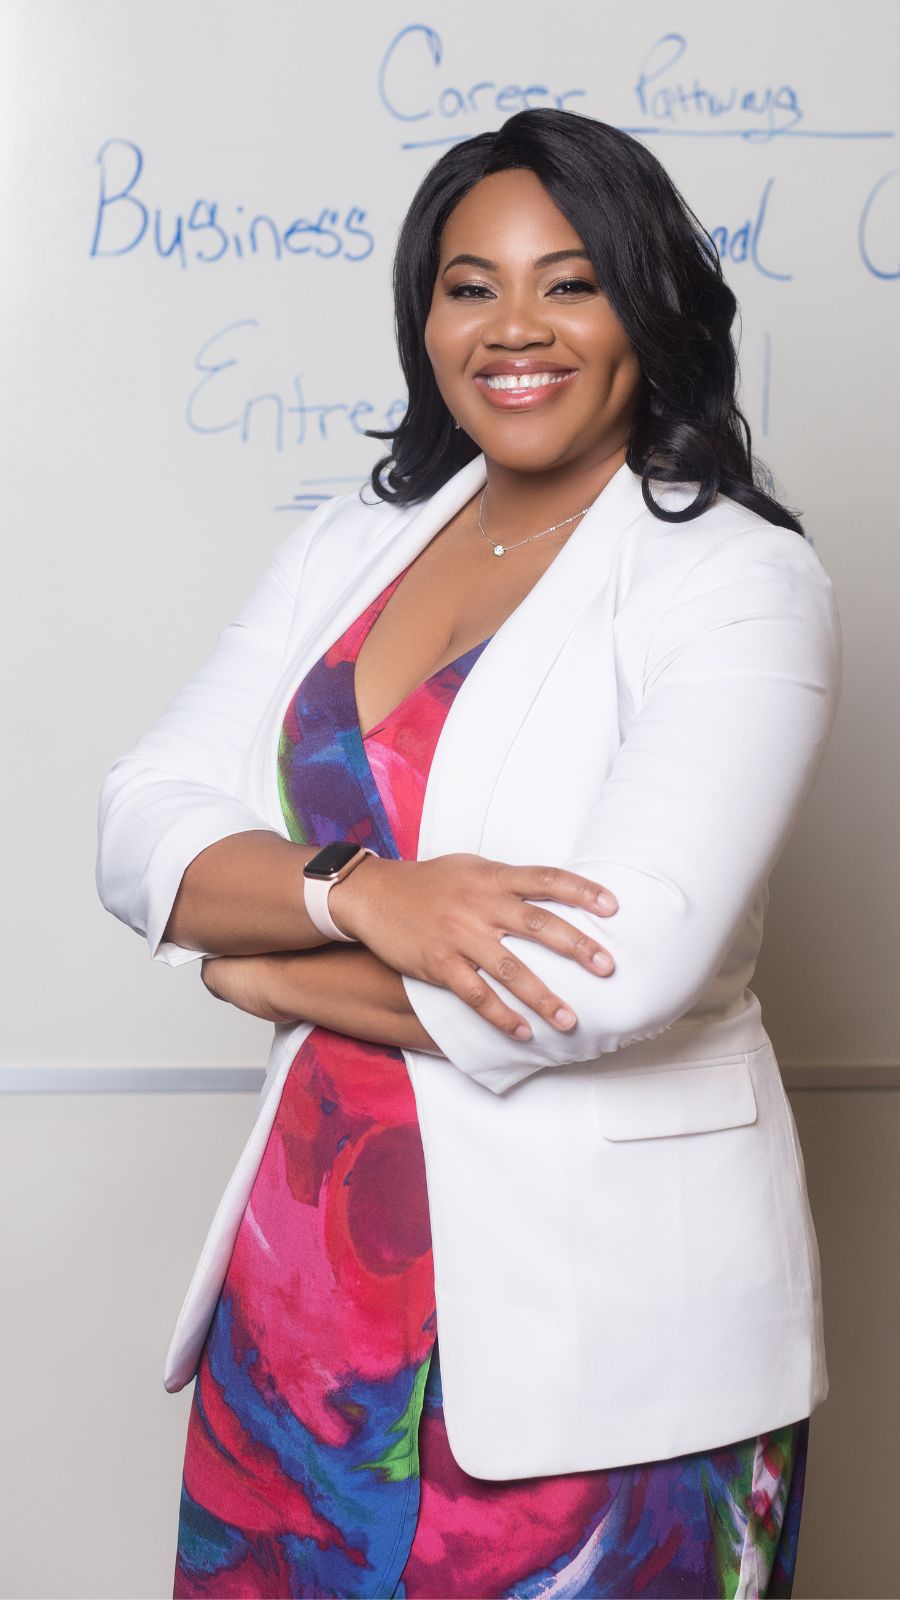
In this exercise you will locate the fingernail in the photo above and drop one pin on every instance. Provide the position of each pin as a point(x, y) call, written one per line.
point(564, 1017)
point(607, 901)
point(601, 960)
point(523, 1031)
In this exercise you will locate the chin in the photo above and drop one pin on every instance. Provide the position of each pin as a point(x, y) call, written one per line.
point(530, 455)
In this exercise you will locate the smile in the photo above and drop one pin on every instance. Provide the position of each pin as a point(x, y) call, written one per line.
point(526, 380)
point(521, 391)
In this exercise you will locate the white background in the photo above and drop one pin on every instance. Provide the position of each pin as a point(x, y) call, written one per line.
point(113, 483)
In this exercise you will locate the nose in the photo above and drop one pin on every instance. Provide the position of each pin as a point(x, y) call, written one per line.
point(515, 319)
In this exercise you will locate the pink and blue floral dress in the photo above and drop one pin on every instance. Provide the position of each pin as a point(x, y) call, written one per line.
point(317, 1461)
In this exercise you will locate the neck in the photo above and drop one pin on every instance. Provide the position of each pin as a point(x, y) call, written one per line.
point(517, 503)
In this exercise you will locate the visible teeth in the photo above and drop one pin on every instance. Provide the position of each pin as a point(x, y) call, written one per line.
point(524, 380)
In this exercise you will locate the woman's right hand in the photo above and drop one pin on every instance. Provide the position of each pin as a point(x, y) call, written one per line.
point(442, 919)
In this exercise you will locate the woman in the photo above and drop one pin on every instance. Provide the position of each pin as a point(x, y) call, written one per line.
point(557, 694)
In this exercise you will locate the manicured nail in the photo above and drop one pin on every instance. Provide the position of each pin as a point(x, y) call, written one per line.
point(523, 1031)
point(564, 1017)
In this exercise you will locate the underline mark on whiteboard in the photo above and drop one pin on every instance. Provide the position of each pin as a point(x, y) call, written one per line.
point(753, 135)
point(309, 497)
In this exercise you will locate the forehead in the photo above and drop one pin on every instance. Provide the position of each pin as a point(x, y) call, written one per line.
point(508, 214)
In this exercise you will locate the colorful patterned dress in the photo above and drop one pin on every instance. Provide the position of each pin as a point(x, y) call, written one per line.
point(317, 1461)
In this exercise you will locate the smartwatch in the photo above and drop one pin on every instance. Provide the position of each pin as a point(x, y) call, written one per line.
point(320, 872)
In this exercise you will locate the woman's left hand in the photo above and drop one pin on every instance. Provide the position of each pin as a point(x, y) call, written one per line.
point(245, 982)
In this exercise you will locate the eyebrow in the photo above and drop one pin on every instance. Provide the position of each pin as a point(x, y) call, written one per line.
point(541, 261)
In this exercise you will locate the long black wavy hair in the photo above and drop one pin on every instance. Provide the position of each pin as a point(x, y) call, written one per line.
point(661, 273)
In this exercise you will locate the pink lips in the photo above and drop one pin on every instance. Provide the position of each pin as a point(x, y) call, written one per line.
point(523, 399)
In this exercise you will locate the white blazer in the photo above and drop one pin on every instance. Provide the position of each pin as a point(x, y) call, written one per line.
point(625, 1263)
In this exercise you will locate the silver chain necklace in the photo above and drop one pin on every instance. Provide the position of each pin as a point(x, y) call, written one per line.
point(501, 549)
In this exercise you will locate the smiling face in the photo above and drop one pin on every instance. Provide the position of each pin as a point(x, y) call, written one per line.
point(511, 312)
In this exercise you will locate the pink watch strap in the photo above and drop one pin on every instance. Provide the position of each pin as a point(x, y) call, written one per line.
point(315, 898)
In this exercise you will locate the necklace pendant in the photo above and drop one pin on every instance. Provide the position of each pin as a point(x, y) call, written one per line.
point(498, 549)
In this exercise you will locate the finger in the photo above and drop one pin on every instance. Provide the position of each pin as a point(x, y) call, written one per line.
point(501, 963)
point(558, 883)
point(463, 980)
point(545, 927)
point(209, 986)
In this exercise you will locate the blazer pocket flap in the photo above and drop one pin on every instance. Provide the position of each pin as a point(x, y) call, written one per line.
point(653, 1103)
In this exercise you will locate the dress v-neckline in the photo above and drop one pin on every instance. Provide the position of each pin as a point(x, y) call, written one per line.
point(376, 608)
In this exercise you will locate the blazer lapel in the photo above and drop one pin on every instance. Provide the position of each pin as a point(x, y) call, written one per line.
point(399, 541)
point(490, 706)
point(354, 590)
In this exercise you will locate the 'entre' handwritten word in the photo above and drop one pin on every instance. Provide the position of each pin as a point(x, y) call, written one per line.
point(220, 404)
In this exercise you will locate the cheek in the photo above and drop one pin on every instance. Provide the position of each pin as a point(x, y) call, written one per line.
point(439, 357)
point(613, 358)
point(428, 336)
point(630, 374)
point(451, 332)
point(438, 340)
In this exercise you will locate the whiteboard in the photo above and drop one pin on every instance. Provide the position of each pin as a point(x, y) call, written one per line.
point(201, 203)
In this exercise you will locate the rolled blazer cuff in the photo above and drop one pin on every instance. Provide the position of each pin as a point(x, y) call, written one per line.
point(664, 963)
point(138, 884)
point(484, 1053)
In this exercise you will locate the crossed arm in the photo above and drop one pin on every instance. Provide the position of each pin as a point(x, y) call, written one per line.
point(344, 987)
point(442, 919)
point(740, 688)
point(243, 894)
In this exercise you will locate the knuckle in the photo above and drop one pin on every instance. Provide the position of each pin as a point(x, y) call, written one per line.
point(536, 918)
point(508, 967)
point(475, 995)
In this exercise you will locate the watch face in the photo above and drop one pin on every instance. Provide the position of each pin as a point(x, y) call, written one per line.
point(330, 859)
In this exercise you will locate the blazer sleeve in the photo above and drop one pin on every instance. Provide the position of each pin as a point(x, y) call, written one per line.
point(173, 793)
point(741, 685)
